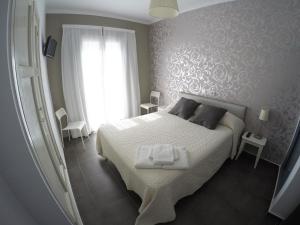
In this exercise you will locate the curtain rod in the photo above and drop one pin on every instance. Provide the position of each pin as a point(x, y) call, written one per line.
point(97, 27)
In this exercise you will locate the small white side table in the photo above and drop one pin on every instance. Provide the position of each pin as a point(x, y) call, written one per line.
point(259, 143)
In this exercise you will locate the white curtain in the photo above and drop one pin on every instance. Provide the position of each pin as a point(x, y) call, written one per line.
point(99, 74)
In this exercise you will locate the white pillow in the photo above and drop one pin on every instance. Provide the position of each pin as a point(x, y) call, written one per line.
point(236, 125)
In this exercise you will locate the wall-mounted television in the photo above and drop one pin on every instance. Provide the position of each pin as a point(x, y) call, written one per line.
point(50, 47)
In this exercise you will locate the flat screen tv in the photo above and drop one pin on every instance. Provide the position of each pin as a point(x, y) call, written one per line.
point(50, 47)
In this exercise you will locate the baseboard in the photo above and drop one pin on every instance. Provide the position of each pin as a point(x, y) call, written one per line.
point(262, 158)
point(275, 214)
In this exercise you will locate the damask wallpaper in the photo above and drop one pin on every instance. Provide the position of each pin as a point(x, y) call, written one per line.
point(245, 52)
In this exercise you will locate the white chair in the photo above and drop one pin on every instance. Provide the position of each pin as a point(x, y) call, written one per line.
point(151, 104)
point(77, 125)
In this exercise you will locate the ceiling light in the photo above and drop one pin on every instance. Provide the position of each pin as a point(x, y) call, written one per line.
point(163, 8)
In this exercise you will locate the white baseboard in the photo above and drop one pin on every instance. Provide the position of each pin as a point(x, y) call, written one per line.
point(275, 214)
point(262, 158)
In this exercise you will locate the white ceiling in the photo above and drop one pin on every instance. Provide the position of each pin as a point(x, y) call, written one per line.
point(133, 10)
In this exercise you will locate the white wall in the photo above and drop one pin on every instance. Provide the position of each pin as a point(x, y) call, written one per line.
point(25, 187)
point(41, 9)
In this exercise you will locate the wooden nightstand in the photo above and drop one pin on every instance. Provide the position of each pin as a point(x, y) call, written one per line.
point(251, 140)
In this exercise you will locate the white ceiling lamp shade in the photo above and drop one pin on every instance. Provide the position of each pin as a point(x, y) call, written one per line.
point(163, 9)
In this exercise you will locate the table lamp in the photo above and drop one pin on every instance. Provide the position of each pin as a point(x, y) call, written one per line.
point(263, 117)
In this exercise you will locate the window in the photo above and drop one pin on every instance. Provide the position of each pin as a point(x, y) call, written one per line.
point(104, 78)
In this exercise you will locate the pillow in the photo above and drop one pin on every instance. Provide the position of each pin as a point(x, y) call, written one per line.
point(208, 116)
point(196, 112)
point(237, 126)
point(184, 108)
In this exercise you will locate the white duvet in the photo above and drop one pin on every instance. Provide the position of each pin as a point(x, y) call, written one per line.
point(160, 189)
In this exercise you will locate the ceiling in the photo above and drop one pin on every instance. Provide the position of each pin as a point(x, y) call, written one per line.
point(133, 10)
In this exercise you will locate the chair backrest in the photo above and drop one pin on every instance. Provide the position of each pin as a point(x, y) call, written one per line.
point(60, 114)
point(154, 94)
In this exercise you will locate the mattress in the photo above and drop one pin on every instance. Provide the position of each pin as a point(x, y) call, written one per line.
point(161, 189)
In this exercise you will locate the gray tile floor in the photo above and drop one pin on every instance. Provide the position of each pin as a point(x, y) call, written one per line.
point(237, 194)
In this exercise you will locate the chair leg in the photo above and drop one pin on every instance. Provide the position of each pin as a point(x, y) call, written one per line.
point(62, 138)
point(69, 135)
point(88, 136)
point(81, 137)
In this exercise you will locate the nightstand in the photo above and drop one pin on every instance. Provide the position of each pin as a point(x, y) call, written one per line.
point(251, 140)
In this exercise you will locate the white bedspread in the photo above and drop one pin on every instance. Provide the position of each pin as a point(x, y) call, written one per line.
point(161, 189)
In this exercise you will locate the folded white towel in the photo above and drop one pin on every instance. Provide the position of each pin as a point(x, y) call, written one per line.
point(182, 161)
point(143, 161)
point(150, 148)
point(143, 158)
point(163, 154)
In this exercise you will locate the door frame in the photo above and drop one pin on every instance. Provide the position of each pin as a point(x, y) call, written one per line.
point(14, 83)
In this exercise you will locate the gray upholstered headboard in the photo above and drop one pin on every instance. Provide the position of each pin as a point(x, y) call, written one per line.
point(235, 109)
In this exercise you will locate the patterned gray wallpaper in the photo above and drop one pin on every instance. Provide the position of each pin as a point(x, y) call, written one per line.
point(246, 52)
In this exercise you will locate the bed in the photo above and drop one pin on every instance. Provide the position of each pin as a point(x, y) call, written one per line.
point(161, 189)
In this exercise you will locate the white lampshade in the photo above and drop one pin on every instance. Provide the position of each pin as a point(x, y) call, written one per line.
point(264, 114)
point(163, 8)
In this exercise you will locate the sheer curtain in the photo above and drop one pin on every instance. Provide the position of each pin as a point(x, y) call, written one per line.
point(100, 74)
